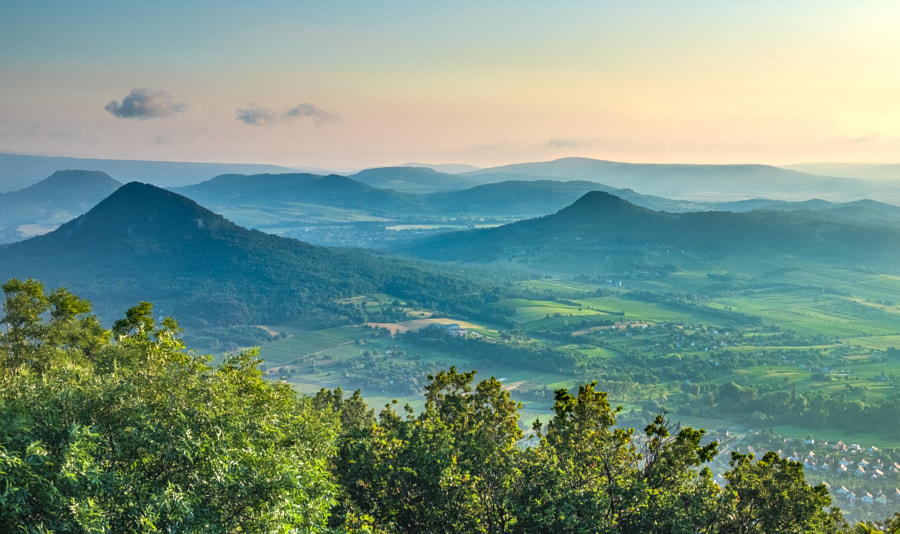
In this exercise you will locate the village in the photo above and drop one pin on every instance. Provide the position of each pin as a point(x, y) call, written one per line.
point(864, 481)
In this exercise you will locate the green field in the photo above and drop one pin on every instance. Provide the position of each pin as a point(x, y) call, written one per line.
point(808, 330)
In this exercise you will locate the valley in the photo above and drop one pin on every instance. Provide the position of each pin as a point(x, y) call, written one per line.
point(771, 322)
point(780, 363)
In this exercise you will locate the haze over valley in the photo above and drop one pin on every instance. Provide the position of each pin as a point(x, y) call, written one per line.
point(450, 267)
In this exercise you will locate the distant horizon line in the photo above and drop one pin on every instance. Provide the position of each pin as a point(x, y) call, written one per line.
point(355, 169)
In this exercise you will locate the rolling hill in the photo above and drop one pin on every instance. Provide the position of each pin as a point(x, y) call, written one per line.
point(600, 226)
point(871, 171)
point(146, 243)
point(695, 182)
point(41, 207)
point(540, 197)
point(416, 179)
point(18, 170)
point(269, 189)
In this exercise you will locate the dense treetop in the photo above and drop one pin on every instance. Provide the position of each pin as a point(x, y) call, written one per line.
point(123, 430)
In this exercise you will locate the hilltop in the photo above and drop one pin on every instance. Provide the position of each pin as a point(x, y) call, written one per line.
point(600, 225)
point(415, 179)
point(19, 170)
point(146, 243)
point(273, 189)
point(41, 207)
point(693, 182)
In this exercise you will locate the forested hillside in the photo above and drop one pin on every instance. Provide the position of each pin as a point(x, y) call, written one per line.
point(145, 243)
point(600, 224)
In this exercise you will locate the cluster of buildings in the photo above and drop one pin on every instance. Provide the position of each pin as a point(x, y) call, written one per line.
point(844, 465)
point(842, 461)
point(866, 497)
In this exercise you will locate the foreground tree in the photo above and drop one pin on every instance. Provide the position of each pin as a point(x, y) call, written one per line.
point(124, 431)
point(772, 495)
point(461, 465)
point(590, 476)
point(449, 469)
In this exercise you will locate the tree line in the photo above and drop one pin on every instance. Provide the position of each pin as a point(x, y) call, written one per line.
point(124, 430)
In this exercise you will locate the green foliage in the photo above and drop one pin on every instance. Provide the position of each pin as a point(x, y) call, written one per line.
point(449, 469)
point(771, 495)
point(124, 431)
point(461, 466)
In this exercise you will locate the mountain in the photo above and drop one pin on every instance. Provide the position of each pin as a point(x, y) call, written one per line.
point(146, 243)
point(18, 171)
point(41, 207)
point(694, 182)
point(514, 197)
point(415, 179)
point(449, 168)
point(858, 211)
point(540, 197)
point(864, 171)
point(271, 189)
point(600, 226)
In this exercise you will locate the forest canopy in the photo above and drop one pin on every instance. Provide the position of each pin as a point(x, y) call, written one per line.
point(124, 430)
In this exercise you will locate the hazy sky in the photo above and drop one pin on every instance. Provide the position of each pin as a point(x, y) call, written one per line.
point(345, 84)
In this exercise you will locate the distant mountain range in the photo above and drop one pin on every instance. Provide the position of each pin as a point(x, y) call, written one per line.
point(273, 189)
point(18, 171)
point(414, 179)
point(694, 182)
point(699, 183)
point(45, 205)
point(290, 201)
point(146, 243)
point(449, 168)
point(871, 171)
point(599, 225)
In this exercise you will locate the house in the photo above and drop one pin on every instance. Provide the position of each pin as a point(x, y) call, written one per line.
point(860, 471)
point(839, 446)
point(454, 329)
point(842, 490)
point(868, 498)
point(881, 498)
point(872, 450)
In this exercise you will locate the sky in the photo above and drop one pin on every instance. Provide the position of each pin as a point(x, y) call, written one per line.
point(352, 84)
